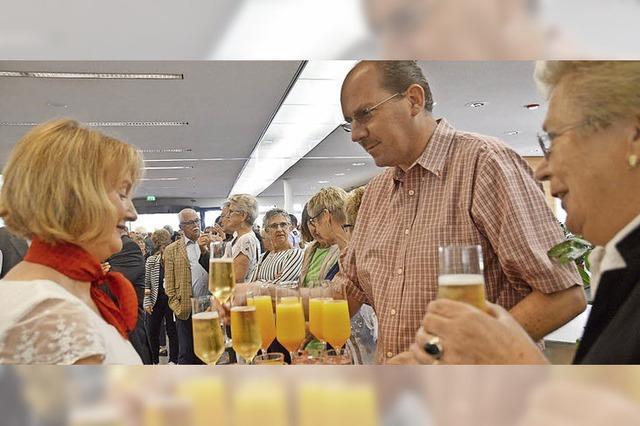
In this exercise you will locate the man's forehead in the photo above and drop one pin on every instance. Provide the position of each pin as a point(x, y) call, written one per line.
point(359, 86)
point(188, 215)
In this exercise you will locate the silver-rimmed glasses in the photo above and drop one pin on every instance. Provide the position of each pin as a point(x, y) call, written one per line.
point(364, 115)
point(545, 139)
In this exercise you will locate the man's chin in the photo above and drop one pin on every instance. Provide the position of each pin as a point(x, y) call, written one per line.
point(381, 162)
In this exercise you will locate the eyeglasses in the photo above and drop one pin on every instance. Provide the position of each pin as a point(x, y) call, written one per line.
point(312, 220)
point(545, 139)
point(224, 216)
point(346, 226)
point(364, 115)
point(275, 226)
point(190, 222)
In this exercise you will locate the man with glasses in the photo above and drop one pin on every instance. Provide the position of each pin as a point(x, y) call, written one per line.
point(185, 278)
point(443, 187)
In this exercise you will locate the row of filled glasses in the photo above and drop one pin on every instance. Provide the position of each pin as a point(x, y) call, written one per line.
point(254, 326)
point(279, 311)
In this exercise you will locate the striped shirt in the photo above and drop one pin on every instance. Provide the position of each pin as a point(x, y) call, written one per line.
point(463, 189)
point(280, 266)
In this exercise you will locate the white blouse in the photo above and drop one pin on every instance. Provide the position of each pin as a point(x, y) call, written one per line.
point(42, 323)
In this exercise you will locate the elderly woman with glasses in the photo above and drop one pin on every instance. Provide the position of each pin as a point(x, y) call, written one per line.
point(283, 262)
point(592, 152)
point(326, 217)
point(330, 224)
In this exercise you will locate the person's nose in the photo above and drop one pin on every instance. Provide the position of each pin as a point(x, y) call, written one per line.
point(543, 171)
point(131, 214)
point(358, 131)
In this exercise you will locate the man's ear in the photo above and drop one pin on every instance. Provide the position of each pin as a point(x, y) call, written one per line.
point(416, 96)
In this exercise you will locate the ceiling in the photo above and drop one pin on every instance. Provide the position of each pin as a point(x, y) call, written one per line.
point(228, 106)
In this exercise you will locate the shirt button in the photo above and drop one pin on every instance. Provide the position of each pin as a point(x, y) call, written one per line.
point(389, 354)
point(399, 271)
point(406, 232)
point(393, 312)
point(411, 192)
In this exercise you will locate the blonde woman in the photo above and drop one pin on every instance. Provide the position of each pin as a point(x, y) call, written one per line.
point(330, 223)
point(68, 189)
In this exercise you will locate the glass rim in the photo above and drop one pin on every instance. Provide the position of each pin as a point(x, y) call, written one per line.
point(243, 308)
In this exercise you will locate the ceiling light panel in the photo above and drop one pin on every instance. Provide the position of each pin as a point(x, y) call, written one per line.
point(168, 167)
point(92, 75)
point(164, 150)
point(309, 113)
point(108, 123)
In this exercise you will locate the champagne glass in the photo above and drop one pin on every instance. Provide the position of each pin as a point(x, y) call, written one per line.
point(222, 279)
point(461, 275)
point(245, 332)
point(290, 323)
point(260, 297)
point(271, 358)
point(336, 321)
point(208, 339)
point(318, 294)
point(333, 357)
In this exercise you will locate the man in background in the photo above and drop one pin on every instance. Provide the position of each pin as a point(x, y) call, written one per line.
point(185, 278)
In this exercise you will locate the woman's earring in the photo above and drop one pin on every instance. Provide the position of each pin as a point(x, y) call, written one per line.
point(633, 160)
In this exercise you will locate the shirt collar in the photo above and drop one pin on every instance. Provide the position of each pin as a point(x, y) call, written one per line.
point(434, 156)
point(187, 241)
point(608, 258)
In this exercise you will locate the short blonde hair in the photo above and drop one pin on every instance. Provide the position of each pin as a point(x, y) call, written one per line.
point(247, 204)
point(352, 205)
point(605, 91)
point(331, 198)
point(57, 180)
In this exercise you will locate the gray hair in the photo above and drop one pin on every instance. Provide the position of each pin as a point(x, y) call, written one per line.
point(185, 211)
point(605, 91)
point(246, 204)
point(272, 213)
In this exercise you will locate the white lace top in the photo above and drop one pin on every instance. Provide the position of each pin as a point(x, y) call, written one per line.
point(42, 323)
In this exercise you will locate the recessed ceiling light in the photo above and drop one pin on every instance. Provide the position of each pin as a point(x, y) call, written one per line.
point(476, 104)
point(93, 75)
point(168, 167)
point(323, 181)
point(57, 105)
point(512, 132)
point(164, 150)
point(358, 164)
point(532, 106)
point(339, 174)
point(109, 123)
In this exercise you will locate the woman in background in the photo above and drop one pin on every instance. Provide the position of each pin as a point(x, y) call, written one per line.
point(156, 301)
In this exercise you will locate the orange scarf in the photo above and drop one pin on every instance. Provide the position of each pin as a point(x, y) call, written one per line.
point(121, 311)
